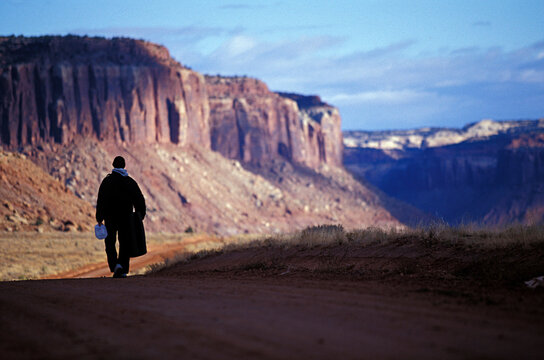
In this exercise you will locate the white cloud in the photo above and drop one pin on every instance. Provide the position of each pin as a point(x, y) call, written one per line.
point(236, 46)
point(380, 97)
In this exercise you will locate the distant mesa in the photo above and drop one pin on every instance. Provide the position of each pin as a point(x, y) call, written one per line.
point(489, 172)
point(435, 137)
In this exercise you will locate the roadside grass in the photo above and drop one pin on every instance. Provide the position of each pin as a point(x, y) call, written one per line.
point(466, 236)
point(438, 255)
point(32, 255)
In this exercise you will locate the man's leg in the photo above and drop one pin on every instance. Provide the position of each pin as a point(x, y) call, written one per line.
point(111, 252)
point(124, 246)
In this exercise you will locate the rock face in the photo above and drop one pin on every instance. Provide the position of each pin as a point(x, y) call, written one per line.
point(494, 177)
point(53, 89)
point(325, 123)
point(521, 162)
point(434, 137)
point(252, 124)
point(71, 104)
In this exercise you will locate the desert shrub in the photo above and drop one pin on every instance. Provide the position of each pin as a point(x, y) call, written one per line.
point(204, 253)
point(320, 235)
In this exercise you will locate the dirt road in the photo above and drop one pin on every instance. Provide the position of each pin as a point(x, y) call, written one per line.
point(406, 298)
point(224, 317)
point(156, 254)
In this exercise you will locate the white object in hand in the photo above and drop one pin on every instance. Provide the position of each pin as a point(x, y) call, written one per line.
point(100, 231)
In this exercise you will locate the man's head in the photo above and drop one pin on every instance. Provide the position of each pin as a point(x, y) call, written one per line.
point(119, 162)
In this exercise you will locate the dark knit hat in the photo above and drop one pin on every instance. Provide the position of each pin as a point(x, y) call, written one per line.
point(119, 162)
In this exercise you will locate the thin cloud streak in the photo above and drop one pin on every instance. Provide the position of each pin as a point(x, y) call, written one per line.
point(381, 97)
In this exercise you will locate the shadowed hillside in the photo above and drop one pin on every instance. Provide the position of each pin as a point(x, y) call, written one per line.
point(489, 172)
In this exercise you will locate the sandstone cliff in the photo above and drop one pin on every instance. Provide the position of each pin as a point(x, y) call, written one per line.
point(324, 121)
point(53, 89)
point(252, 124)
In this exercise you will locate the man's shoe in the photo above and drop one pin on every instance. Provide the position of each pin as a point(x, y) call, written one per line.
point(118, 271)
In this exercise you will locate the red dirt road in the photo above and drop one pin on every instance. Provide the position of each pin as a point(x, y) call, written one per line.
point(222, 316)
point(156, 254)
point(406, 298)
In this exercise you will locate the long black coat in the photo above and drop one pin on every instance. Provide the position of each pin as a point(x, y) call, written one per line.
point(117, 196)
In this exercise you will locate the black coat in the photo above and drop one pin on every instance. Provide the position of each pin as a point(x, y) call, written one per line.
point(117, 197)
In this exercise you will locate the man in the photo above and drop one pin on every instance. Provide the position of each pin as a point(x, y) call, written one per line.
point(117, 196)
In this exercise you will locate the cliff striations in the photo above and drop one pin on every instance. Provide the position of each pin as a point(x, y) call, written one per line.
point(53, 89)
point(252, 124)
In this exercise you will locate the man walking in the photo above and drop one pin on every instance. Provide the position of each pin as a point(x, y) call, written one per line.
point(117, 196)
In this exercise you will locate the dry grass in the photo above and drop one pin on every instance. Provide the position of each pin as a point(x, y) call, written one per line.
point(468, 256)
point(476, 235)
point(32, 255)
point(466, 236)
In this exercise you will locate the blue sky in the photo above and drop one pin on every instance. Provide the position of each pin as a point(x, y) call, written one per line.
point(384, 63)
